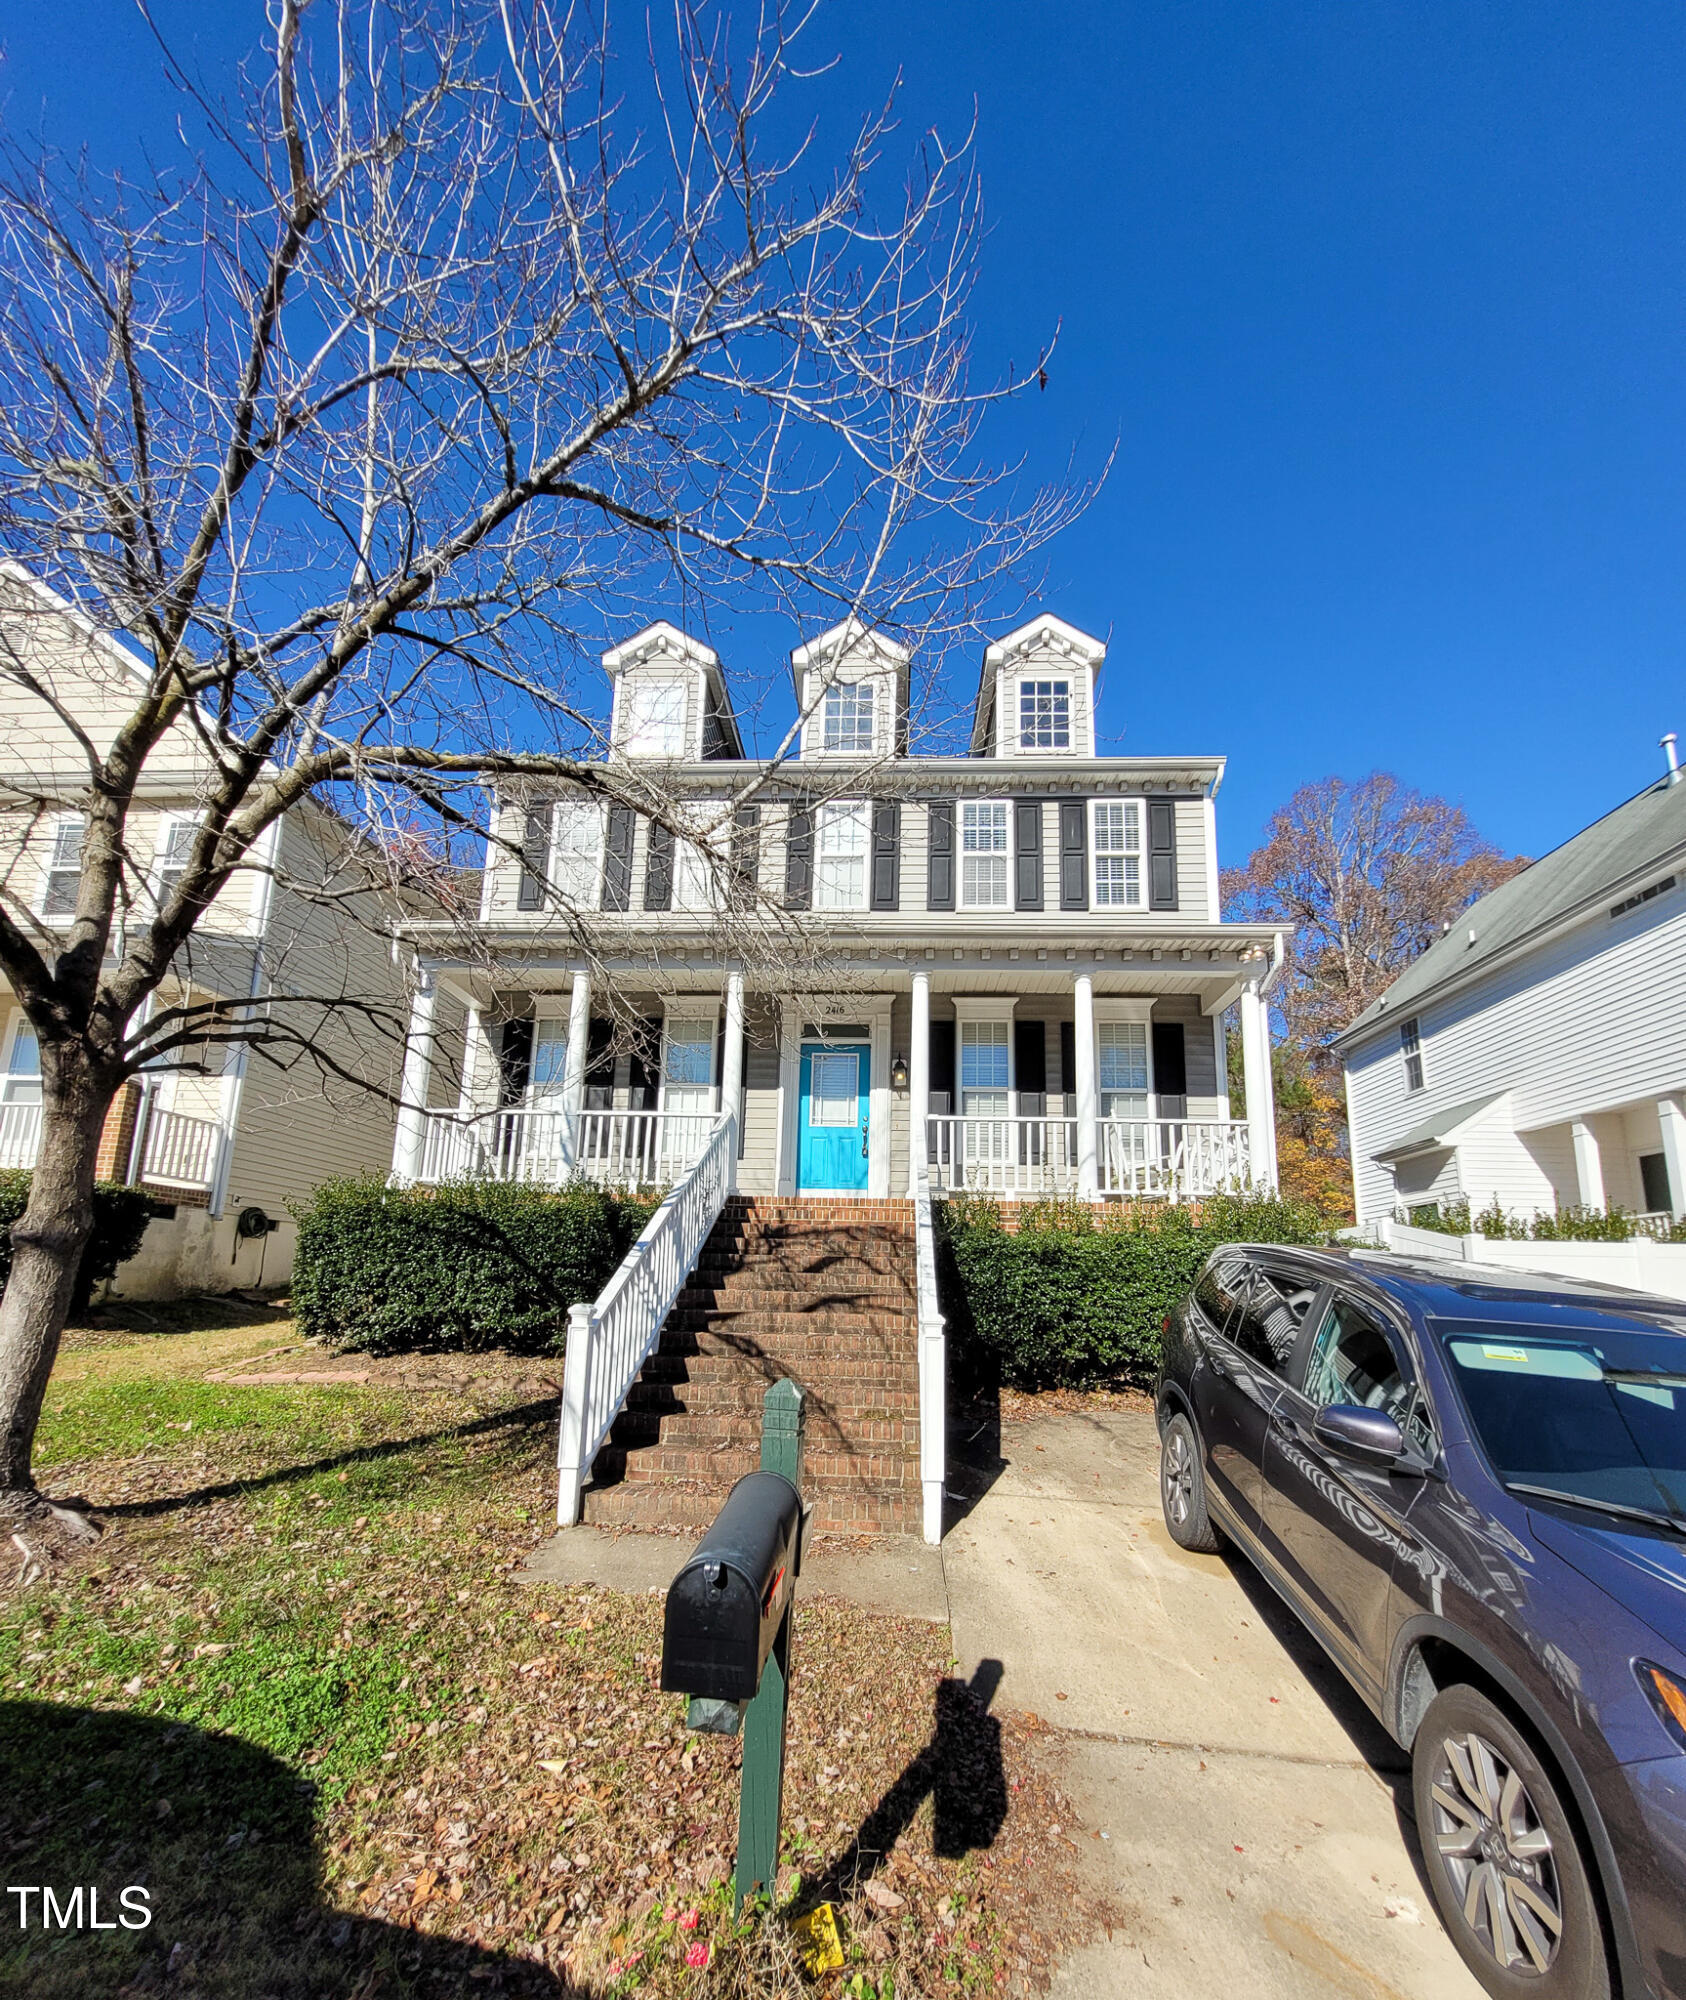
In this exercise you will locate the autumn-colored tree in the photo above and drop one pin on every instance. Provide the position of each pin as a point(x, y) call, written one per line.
point(1312, 1161)
point(1369, 875)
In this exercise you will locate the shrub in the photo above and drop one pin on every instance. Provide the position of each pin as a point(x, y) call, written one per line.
point(1572, 1224)
point(472, 1265)
point(120, 1218)
point(1078, 1295)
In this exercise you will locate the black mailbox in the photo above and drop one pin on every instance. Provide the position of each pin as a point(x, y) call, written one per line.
point(724, 1608)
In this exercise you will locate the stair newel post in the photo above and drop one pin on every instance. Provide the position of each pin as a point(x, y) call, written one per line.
point(576, 1393)
point(761, 1792)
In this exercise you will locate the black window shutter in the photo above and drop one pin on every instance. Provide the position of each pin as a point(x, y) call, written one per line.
point(600, 1065)
point(942, 1069)
point(799, 859)
point(746, 853)
point(1068, 1058)
point(1170, 1069)
point(886, 855)
point(939, 857)
point(658, 869)
point(1074, 854)
point(515, 1060)
point(617, 860)
point(643, 1070)
point(1030, 1065)
point(1027, 854)
point(535, 859)
point(1161, 855)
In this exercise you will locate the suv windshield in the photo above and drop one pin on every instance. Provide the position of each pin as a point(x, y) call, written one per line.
point(1600, 1418)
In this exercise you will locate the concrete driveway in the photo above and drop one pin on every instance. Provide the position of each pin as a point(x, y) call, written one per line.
point(1237, 1801)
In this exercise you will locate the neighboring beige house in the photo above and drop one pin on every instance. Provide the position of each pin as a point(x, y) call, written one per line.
point(213, 1148)
point(1023, 949)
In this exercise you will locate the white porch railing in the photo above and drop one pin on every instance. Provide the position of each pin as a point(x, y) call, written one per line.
point(610, 1340)
point(1177, 1158)
point(20, 1134)
point(180, 1151)
point(933, 1359)
point(542, 1143)
point(1180, 1158)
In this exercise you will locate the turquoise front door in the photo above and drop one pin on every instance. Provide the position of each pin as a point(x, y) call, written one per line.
point(832, 1112)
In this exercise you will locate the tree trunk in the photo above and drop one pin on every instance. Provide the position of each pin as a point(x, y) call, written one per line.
point(47, 1245)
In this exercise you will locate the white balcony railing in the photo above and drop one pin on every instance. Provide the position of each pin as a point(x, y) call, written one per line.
point(180, 1151)
point(543, 1144)
point(1178, 1159)
point(20, 1134)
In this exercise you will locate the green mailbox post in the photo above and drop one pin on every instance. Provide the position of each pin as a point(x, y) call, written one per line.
point(726, 1637)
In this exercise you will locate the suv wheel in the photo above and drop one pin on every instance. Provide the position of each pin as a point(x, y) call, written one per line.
point(1502, 1857)
point(1182, 1488)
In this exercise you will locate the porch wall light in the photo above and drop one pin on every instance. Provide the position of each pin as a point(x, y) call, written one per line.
point(898, 1072)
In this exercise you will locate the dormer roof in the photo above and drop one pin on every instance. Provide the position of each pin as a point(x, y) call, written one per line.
point(849, 641)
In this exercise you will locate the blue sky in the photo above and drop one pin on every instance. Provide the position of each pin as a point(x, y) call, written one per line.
point(1382, 305)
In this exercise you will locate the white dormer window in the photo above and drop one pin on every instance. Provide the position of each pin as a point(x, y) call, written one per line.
point(983, 855)
point(1045, 715)
point(841, 842)
point(1118, 854)
point(847, 717)
point(64, 868)
point(655, 718)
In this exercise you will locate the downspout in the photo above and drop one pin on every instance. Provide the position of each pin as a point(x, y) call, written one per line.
point(234, 1081)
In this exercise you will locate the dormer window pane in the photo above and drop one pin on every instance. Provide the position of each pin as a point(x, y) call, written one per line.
point(847, 716)
point(1044, 715)
point(983, 856)
point(1118, 854)
point(64, 869)
point(841, 843)
point(655, 719)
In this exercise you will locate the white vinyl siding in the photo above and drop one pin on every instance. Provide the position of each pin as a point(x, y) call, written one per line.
point(842, 848)
point(984, 859)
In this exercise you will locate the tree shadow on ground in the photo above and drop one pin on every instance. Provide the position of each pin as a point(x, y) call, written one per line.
point(221, 1837)
point(962, 1773)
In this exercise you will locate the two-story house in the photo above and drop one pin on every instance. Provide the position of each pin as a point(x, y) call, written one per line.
point(226, 1134)
point(1536, 1054)
point(1019, 949)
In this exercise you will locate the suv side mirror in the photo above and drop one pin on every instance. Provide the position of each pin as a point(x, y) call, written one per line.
point(1358, 1432)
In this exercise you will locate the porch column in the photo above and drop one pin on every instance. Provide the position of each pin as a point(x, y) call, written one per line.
point(731, 1067)
point(1589, 1168)
point(919, 1082)
point(1255, 1071)
point(1673, 1121)
point(573, 1063)
point(1088, 1098)
point(410, 1139)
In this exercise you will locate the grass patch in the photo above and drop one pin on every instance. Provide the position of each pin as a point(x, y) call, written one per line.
point(118, 1419)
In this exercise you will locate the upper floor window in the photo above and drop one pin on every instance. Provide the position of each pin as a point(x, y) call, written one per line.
point(847, 717)
point(1044, 715)
point(841, 847)
point(576, 837)
point(64, 867)
point(175, 845)
point(1118, 854)
point(655, 718)
point(983, 855)
point(1411, 1046)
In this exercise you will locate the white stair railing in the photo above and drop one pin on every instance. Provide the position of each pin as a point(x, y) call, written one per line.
point(610, 1340)
point(933, 1354)
point(20, 1134)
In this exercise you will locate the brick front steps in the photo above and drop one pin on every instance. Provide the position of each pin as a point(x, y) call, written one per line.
point(821, 1291)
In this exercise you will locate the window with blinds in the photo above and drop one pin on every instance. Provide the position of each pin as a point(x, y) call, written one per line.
point(1121, 1070)
point(983, 855)
point(842, 844)
point(1118, 854)
point(984, 1069)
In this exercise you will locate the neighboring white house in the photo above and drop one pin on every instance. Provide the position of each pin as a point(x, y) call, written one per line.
point(1536, 1054)
point(247, 1137)
point(1023, 950)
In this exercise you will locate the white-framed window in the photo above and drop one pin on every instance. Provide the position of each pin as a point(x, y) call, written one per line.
point(983, 854)
point(1411, 1048)
point(846, 717)
point(688, 1066)
point(694, 882)
point(654, 718)
point(175, 843)
point(63, 871)
point(550, 1057)
point(842, 849)
point(985, 1072)
point(1118, 854)
point(576, 840)
point(1045, 715)
point(1121, 1071)
point(22, 1081)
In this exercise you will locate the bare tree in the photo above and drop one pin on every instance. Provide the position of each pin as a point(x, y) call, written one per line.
point(1369, 874)
point(449, 347)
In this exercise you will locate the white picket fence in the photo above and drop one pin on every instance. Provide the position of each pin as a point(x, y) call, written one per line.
point(610, 1340)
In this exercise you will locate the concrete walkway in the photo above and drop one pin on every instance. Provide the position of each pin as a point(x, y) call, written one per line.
point(1237, 1800)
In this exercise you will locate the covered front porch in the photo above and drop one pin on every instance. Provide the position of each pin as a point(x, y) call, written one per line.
point(1102, 1083)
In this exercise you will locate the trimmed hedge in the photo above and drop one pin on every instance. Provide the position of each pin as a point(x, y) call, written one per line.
point(472, 1265)
point(1077, 1296)
point(120, 1218)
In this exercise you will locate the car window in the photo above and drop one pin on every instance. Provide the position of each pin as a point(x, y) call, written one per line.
point(1266, 1324)
point(1350, 1360)
point(1215, 1292)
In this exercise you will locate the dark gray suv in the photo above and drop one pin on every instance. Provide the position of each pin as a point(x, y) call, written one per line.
point(1471, 1486)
